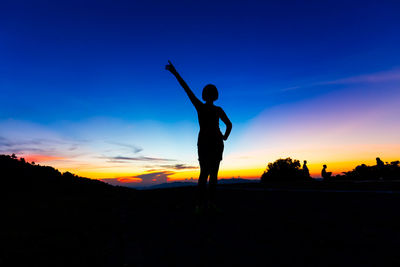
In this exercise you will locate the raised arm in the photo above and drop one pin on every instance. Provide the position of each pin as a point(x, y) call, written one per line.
point(195, 101)
point(228, 124)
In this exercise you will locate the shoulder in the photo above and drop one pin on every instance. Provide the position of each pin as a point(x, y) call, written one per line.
point(219, 110)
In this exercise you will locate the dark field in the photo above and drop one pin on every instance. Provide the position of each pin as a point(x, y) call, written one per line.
point(254, 227)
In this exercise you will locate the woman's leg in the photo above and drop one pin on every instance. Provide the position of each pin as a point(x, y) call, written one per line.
point(202, 183)
point(213, 180)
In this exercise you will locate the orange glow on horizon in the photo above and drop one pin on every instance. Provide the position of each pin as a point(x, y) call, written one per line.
point(129, 180)
point(40, 158)
point(255, 173)
point(227, 173)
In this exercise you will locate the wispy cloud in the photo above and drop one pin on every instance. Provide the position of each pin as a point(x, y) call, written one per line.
point(382, 76)
point(155, 177)
point(141, 179)
point(179, 166)
point(133, 148)
point(122, 159)
point(40, 148)
point(290, 88)
point(376, 77)
point(123, 181)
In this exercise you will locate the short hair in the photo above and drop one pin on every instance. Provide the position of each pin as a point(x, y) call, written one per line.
point(210, 93)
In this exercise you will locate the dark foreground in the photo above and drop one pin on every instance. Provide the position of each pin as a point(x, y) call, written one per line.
point(159, 228)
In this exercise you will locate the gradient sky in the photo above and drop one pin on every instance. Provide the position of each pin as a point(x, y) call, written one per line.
point(83, 86)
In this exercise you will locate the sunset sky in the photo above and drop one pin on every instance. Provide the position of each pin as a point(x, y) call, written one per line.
point(84, 89)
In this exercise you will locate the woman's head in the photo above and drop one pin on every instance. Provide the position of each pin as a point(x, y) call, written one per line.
point(210, 93)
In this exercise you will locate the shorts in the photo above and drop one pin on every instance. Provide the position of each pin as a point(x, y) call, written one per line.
point(210, 150)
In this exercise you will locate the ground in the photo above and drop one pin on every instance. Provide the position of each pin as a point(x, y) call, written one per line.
point(254, 226)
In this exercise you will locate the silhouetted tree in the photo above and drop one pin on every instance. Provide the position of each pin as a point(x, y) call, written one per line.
point(284, 170)
point(68, 175)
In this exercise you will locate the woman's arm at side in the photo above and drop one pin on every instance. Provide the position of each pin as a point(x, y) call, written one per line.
point(195, 101)
point(228, 124)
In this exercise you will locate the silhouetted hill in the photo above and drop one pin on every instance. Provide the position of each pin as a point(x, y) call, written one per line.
point(19, 175)
point(56, 219)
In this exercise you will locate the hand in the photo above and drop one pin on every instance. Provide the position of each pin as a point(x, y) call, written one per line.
point(170, 67)
point(224, 137)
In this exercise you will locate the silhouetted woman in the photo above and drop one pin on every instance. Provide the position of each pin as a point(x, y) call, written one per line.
point(210, 144)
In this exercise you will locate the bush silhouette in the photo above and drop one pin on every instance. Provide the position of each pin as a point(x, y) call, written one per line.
point(284, 170)
point(380, 171)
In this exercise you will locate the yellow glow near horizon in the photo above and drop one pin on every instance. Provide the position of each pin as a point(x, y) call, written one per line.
point(337, 167)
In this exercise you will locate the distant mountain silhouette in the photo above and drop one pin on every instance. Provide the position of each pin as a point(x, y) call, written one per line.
point(194, 183)
point(170, 185)
point(237, 181)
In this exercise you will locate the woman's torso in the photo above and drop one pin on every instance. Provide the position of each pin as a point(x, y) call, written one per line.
point(209, 115)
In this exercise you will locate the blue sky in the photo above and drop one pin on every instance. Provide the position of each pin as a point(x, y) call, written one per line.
point(69, 64)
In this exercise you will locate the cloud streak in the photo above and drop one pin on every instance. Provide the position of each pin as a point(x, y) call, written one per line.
point(382, 76)
point(144, 179)
point(122, 159)
point(133, 148)
point(179, 167)
point(377, 77)
point(38, 147)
